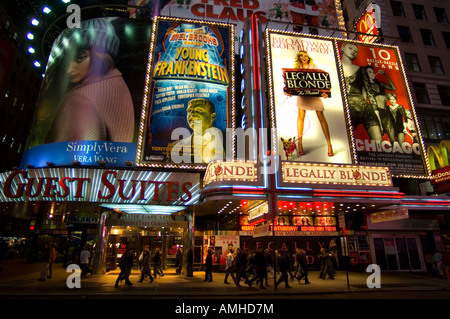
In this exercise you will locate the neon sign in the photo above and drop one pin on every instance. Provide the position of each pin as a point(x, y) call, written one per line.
point(367, 24)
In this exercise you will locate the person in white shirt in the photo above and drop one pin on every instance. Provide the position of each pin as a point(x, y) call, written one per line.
point(84, 260)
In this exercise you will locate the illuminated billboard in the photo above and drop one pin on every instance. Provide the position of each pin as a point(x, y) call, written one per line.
point(382, 115)
point(369, 24)
point(312, 16)
point(337, 101)
point(306, 99)
point(190, 96)
point(91, 96)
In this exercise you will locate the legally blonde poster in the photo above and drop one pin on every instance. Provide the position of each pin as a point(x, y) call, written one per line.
point(381, 112)
point(309, 110)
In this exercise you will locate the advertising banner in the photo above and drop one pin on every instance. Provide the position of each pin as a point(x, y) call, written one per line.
point(369, 23)
point(89, 104)
point(309, 110)
point(381, 112)
point(310, 16)
point(187, 114)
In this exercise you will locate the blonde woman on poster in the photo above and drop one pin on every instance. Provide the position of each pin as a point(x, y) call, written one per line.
point(304, 103)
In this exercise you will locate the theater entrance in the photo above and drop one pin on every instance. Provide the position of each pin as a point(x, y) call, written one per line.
point(168, 241)
point(136, 232)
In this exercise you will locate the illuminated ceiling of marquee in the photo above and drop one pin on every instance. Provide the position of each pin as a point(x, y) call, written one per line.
point(144, 209)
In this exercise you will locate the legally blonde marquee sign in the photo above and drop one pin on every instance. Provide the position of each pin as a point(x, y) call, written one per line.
point(230, 171)
point(91, 185)
point(336, 174)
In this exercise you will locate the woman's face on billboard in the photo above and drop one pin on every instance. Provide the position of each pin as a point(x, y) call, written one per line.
point(79, 66)
point(304, 57)
point(350, 50)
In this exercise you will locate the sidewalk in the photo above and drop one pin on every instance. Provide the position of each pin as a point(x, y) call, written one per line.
point(20, 280)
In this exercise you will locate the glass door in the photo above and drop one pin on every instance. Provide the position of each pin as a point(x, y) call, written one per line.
point(399, 252)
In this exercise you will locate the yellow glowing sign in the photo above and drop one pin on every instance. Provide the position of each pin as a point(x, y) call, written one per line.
point(438, 153)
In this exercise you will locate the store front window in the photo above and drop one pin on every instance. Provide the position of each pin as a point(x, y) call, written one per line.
point(399, 252)
point(121, 238)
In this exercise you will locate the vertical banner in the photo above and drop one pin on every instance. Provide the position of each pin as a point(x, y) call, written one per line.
point(382, 115)
point(88, 110)
point(306, 98)
point(369, 23)
point(186, 117)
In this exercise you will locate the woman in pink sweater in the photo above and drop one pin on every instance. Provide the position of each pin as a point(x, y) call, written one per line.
point(99, 105)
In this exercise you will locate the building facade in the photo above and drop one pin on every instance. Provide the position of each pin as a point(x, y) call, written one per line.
point(368, 200)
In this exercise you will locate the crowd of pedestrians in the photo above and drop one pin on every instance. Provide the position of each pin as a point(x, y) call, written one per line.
point(254, 266)
point(242, 265)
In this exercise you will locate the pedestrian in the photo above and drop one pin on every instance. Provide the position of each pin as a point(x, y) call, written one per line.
point(241, 264)
point(270, 264)
point(446, 262)
point(157, 264)
point(260, 268)
point(437, 258)
point(250, 268)
point(190, 263)
point(3, 250)
point(208, 266)
point(297, 267)
point(429, 263)
point(333, 249)
point(303, 266)
point(179, 260)
point(230, 266)
point(84, 260)
point(52, 260)
point(45, 260)
point(283, 263)
point(291, 264)
point(145, 265)
point(326, 265)
point(125, 265)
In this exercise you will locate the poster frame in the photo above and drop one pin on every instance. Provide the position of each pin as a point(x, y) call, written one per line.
point(147, 100)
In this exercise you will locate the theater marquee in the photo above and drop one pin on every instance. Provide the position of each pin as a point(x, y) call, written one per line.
point(335, 174)
point(245, 171)
point(105, 186)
